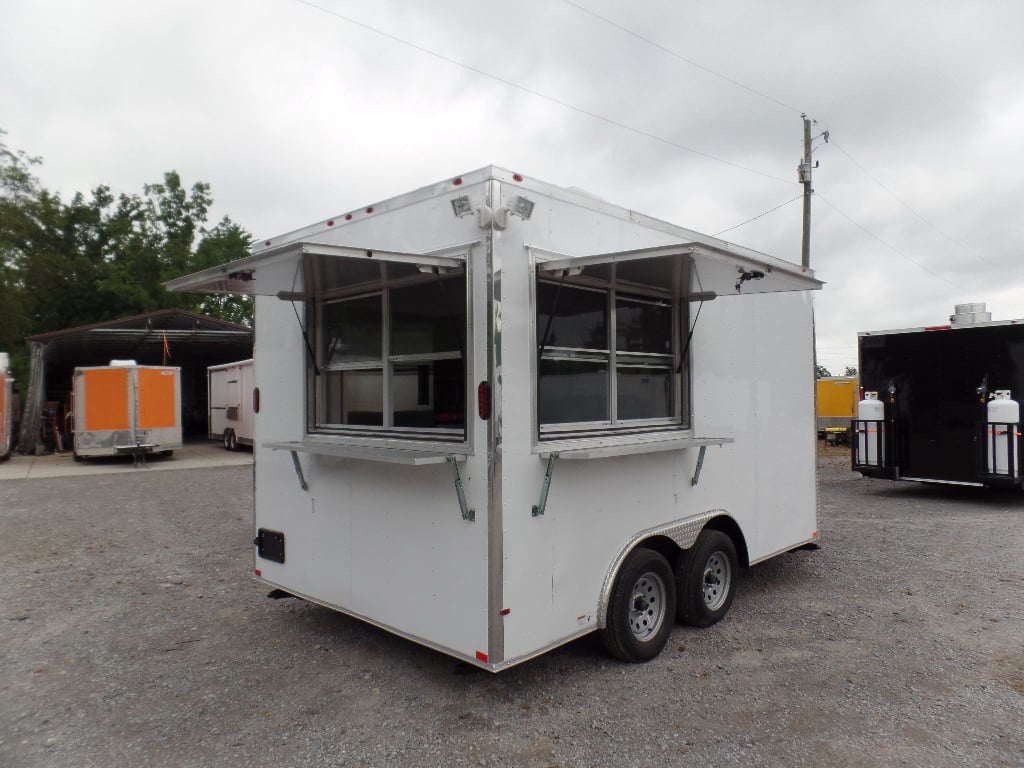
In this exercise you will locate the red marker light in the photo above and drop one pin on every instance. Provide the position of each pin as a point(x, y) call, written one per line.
point(258, 572)
point(267, 242)
point(370, 209)
point(481, 656)
point(348, 217)
point(457, 182)
point(483, 400)
point(330, 223)
point(517, 177)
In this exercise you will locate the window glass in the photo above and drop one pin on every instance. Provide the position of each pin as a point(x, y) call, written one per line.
point(429, 394)
point(643, 326)
point(644, 390)
point(572, 391)
point(578, 317)
point(428, 317)
point(656, 273)
point(391, 352)
point(354, 397)
point(341, 272)
point(352, 330)
point(588, 381)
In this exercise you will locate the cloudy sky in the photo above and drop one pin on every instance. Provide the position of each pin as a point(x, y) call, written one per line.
point(295, 111)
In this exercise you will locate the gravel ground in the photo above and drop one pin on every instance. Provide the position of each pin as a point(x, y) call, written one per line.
point(131, 634)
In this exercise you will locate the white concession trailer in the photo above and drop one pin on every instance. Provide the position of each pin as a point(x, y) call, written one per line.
point(497, 415)
point(230, 405)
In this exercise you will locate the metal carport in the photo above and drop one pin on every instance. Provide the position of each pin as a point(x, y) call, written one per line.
point(165, 337)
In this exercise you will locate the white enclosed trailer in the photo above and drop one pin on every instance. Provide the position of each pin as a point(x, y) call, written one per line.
point(6, 407)
point(498, 415)
point(230, 413)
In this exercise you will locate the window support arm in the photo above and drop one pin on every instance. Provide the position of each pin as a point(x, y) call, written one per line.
point(298, 470)
point(467, 513)
point(700, 465)
point(545, 486)
point(551, 316)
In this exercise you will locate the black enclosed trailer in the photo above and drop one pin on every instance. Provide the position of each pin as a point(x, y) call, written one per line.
point(937, 417)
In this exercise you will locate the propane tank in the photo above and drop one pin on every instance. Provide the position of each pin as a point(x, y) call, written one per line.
point(871, 430)
point(1003, 416)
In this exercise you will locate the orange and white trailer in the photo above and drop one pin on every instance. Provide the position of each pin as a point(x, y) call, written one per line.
point(6, 407)
point(126, 409)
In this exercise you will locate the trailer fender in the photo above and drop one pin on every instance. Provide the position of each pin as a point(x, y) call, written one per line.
point(681, 533)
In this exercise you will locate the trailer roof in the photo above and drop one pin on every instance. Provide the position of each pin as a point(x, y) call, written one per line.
point(946, 327)
point(722, 268)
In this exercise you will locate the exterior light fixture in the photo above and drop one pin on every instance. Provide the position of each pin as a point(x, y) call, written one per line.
point(521, 207)
point(461, 206)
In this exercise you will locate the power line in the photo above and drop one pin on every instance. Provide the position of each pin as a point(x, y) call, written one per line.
point(682, 58)
point(907, 205)
point(891, 247)
point(772, 99)
point(538, 94)
point(770, 210)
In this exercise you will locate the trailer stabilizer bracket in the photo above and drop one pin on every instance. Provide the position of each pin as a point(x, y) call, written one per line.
point(298, 470)
point(538, 509)
point(700, 465)
point(467, 513)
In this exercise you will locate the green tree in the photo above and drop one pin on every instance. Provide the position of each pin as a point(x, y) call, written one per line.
point(63, 266)
point(18, 189)
point(225, 242)
point(102, 257)
point(821, 372)
point(850, 371)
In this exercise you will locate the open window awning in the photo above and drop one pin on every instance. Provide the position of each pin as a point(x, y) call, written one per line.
point(243, 276)
point(713, 272)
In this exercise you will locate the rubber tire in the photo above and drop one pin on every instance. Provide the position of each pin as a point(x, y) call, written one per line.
point(233, 441)
point(713, 551)
point(227, 439)
point(618, 636)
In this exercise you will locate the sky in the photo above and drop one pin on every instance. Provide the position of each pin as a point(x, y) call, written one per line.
point(295, 111)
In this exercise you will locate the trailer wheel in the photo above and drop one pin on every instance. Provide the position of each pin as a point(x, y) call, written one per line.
point(706, 579)
point(641, 607)
point(229, 440)
point(233, 441)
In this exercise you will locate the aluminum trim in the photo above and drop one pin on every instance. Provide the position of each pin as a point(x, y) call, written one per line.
point(598, 451)
point(495, 509)
point(368, 453)
point(683, 532)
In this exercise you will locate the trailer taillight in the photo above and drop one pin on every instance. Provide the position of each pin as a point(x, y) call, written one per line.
point(483, 400)
point(255, 399)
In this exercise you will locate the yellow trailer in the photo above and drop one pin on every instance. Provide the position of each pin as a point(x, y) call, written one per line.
point(126, 409)
point(836, 407)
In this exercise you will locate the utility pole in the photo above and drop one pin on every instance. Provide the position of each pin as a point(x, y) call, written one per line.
point(804, 173)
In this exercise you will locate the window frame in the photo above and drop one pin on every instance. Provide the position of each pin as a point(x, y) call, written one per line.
point(323, 295)
point(616, 289)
